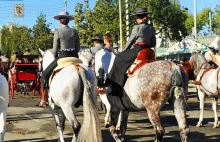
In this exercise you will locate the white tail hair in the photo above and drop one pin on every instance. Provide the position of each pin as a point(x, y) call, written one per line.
point(90, 130)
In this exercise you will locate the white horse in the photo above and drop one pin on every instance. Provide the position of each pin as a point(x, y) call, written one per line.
point(66, 90)
point(149, 89)
point(208, 83)
point(4, 100)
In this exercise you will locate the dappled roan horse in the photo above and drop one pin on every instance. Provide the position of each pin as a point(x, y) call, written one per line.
point(150, 88)
point(66, 89)
point(208, 83)
point(4, 100)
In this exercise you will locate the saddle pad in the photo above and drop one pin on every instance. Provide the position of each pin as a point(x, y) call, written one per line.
point(64, 62)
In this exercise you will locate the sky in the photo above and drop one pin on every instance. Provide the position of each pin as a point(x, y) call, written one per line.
point(32, 9)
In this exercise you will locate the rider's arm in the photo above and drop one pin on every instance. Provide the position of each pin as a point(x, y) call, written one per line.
point(132, 38)
point(77, 46)
point(56, 44)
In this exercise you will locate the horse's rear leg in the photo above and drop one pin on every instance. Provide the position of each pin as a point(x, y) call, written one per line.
point(55, 112)
point(68, 112)
point(124, 117)
point(214, 107)
point(2, 125)
point(154, 117)
point(180, 113)
point(201, 98)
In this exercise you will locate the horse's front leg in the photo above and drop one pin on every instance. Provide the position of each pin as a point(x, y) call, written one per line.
point(201, 98)
point(2, 125)
point(180, 114)
point(214, 107)
point(108, 108)
point(114, 119)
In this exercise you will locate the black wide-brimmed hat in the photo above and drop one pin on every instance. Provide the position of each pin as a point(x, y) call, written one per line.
point(99, 38)
point(141, 11)
point(63, 14)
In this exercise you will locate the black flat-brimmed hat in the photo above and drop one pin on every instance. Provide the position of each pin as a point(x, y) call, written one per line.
point(141, 11)
point(99, 38)
point(63, 14)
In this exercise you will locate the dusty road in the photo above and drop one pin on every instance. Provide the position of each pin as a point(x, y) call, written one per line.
point(28, 123)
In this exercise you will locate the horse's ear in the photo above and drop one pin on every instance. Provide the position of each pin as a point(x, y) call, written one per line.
point(41, 52)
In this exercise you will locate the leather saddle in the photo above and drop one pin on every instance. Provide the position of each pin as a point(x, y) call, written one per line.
point(145, 56)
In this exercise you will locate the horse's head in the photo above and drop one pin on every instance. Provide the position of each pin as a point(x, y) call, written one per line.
point(197, 61)
point(86, 57)
point(46, 58)
point(104, 60)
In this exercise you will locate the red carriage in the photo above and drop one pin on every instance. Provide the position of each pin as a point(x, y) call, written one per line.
point(24, 76)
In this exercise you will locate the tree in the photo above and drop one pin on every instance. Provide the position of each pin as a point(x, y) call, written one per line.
point(17, 38)
point(83, 21)
point(216, 20)
point(41, 34)
point(202, 19)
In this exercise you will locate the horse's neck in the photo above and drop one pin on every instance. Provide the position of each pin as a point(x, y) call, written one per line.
point(47, 59)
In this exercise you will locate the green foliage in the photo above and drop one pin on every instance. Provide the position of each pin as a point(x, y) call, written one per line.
point(83, 21)
point(216, 20)
point(19, 37)
point(42, 37)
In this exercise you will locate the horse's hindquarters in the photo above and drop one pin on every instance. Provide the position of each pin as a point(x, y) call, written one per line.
point(150, 84)
point(66, 87)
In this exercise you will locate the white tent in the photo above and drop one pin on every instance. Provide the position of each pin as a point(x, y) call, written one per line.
point(185, 46)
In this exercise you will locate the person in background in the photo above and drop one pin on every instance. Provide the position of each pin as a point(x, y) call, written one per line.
point(27, 52)
point(116, 46)
point(108, 40)
point(13, 58)
point(98, 44)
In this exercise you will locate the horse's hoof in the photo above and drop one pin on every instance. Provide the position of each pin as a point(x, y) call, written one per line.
point(117, 128)
point(216, 126)
point(107, 125)
point(199, 125)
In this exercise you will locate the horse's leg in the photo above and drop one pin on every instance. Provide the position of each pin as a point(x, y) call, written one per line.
point(214, 107)
point(201, 98)
point(55, 112)
point(180, 114)
point(68, 112)
point(108, 108)
point(124, 122)
point(62, 120)
point(114, 119)
point(118, 126)
point(154, 117)
point(2, 125)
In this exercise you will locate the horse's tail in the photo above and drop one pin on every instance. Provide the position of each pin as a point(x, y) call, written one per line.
point(180, 79)
point(90, 130)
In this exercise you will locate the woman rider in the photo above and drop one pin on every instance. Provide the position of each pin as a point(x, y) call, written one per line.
point(67, 41)
point(142, 36)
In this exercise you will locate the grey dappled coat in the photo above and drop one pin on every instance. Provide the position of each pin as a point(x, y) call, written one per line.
point(64, 38)
point(142, 33)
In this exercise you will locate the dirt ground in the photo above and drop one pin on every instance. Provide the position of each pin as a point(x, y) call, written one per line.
point(28, 123)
